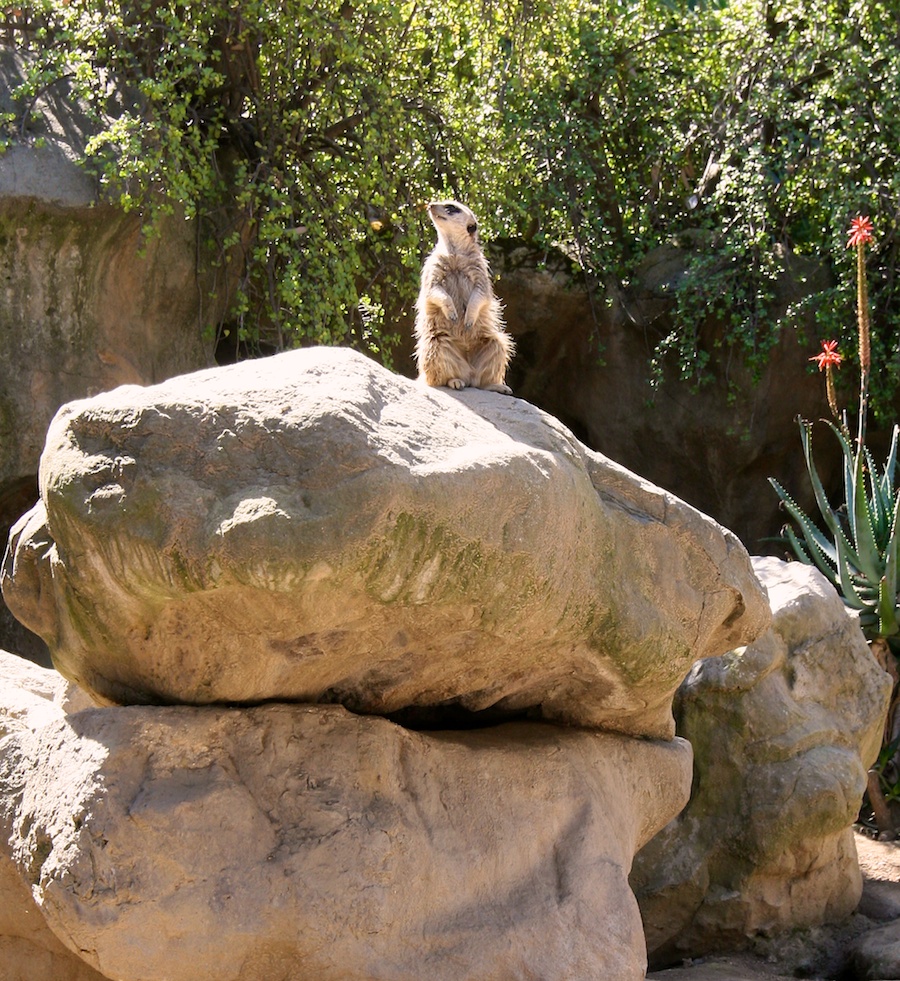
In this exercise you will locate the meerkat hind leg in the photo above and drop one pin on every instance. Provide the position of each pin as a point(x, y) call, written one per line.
point(443, 364)
point(489, 367)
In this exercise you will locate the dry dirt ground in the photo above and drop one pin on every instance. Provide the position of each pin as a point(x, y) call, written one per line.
point(821, 954)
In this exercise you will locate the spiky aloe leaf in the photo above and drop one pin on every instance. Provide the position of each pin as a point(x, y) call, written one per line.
point(861, 550)
point(857, 598)
point(883, 493)
point(887, 611)
point(863, 561)
point(862, 509)
point(881, 506)
point(848, 563)
point(889, 583)
point(890, 467)
point(804, 556)
point(828, 514)
point(819, 550)
point(869, 558)
point(849, 458)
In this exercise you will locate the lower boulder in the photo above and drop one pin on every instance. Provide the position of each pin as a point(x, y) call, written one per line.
point(305, 842)
point(29, 950)
point(783, 733)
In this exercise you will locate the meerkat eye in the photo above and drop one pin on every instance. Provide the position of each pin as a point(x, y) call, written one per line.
point(472, 229)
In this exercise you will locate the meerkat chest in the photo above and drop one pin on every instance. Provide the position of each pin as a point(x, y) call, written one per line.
point(461, 275)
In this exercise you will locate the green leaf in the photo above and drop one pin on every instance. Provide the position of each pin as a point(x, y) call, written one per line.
point(845, 551)
point(820, 549)
point(887, 613)
point(868, 558)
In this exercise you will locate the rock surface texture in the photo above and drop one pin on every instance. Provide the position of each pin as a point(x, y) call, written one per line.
point(313, 528)
point(309, 844)
point(783, 733)
point(30, 698)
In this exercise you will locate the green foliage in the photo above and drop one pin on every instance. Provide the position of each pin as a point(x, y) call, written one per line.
point(294, 133)
point(888, 772)
point(305, 136)
point(859, 552)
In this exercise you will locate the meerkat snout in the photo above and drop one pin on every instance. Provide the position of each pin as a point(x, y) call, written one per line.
point(453, 221)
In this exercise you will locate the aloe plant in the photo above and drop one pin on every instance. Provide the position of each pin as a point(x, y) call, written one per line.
point(860, 550)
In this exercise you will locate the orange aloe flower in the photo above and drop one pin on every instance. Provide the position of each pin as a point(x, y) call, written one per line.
point(860, 231)
point(829, 356)
point(828, 359)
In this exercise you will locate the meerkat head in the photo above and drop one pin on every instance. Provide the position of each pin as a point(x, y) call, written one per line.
point(456, 225)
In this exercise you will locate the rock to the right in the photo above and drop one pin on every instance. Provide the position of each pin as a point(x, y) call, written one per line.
point(876, 955)
point(783, 733)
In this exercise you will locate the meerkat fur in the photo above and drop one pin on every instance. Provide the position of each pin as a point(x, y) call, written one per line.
point(460, 340)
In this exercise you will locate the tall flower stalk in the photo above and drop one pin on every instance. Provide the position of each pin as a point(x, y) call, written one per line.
point(860, 235)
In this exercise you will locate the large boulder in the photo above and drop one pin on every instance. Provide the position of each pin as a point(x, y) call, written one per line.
point(314, 528)
point(216, 844)
point(783, 732)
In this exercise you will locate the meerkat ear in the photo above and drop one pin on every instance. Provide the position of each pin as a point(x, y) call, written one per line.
point(472, 228)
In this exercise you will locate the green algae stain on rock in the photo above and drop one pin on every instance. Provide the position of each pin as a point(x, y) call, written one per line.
point(418, 562)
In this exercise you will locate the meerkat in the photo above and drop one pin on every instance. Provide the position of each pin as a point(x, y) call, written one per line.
point(460, 338)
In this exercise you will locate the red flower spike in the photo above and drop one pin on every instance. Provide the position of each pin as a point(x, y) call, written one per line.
point(860, 231)
point(829, 356)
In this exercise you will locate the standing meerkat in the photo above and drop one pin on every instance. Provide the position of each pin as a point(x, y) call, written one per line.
point(460, 338)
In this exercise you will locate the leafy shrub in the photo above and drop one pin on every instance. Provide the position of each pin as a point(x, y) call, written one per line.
point(305, 136)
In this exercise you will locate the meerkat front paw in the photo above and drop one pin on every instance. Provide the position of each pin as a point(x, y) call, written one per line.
point(501, 388)
point(456, 383)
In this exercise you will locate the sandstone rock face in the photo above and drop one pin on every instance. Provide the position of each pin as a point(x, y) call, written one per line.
point(783, 733)
point(29, 950)
point(314, 528)
point(306, 843)
point(88, 301)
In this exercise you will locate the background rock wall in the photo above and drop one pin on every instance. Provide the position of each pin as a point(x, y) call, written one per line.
point(87, 301)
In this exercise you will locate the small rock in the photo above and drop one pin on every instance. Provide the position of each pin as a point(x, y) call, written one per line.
point(876, 955)
point(783, 731)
